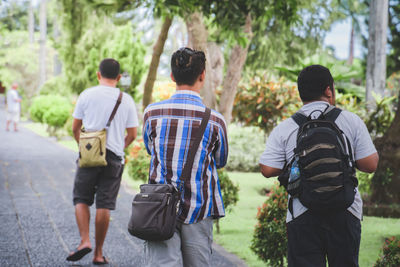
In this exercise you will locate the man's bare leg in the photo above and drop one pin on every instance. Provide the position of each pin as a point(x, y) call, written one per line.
point(102, 222)
point(82, 215)
point(8, 125)
point(15, 127)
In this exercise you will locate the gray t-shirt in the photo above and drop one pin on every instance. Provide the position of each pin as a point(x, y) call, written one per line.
point(282, 141)
point(94, 107)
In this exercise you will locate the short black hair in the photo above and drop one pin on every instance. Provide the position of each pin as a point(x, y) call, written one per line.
point(109, 68)
point(313, 81)
point(187, 64)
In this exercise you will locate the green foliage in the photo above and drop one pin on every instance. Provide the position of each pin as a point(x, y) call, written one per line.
point(230, 191)
point(364, 182)
point(246, 144)
point(14, 15)
point(16, 64)
point(53, 110)
point(269, 238)
point(88, 37)
point(55, 86)
point(56, 116)
point(382, 116)
point(342, 72)
point(390, 253)
point(138, 161)
point(264, 103)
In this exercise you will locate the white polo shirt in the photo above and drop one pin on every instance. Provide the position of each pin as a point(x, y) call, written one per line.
point(282, 141)
point(94, 107)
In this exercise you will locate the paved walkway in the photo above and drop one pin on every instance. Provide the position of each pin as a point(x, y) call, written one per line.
point(37, 223)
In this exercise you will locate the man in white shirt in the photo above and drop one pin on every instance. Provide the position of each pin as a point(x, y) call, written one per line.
point(13, 107)
point(336, 235)
point(93, 110)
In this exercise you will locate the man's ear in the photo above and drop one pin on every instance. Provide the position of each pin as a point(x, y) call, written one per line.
point(172, 77)
point(98, 76)
point(328, 92)
point(202, 76)
point(118, 77)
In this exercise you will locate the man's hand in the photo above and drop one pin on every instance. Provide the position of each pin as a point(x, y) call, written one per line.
point(130, 136)
point(269, 171)
point(76, 129)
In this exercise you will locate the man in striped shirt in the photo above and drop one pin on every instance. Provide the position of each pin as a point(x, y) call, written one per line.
point(169, 129)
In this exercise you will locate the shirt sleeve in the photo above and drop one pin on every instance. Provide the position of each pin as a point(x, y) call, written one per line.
point(79, 107)
point(363, 145)
point(132, 120)
point(274, 154)
point(221, 153)
point(146, 134)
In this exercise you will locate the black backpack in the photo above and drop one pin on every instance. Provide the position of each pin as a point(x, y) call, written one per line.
point(322, 171)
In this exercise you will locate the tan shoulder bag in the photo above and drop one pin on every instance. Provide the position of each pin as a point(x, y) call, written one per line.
point(92, 145)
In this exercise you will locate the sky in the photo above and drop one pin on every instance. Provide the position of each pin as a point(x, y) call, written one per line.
point(339, 37)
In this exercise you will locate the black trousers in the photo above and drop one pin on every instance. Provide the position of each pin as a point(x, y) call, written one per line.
point(315, 238)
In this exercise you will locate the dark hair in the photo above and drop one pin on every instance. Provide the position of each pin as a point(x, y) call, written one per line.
point(187, 64)
point(109, 68)
point(313, 81)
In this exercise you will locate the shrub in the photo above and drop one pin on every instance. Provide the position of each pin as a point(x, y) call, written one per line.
point(163, 90)
point(390, 253)
point(264, 103)
point(269, 239)
point(246, 144)
point(229, 190)
point(138, 161)
point(57, 116)
point(52, 110)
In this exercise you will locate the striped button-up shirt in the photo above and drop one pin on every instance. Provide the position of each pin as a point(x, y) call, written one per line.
point(169, 129)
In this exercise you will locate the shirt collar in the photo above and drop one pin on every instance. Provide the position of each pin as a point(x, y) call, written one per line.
point(186, 94)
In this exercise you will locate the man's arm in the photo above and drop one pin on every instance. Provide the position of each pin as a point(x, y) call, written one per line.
point(268, 171)
point(131, 134)
point(76, 129)
point(368, 164)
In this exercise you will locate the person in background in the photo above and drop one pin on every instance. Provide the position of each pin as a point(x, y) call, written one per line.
point(13, 107)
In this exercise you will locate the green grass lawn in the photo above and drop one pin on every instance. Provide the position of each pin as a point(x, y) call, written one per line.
point(238, 226)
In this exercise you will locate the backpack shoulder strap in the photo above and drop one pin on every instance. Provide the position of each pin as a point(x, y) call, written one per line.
point(332, 113)
point(299, 118)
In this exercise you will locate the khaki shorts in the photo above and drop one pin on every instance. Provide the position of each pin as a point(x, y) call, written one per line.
point(13, 116)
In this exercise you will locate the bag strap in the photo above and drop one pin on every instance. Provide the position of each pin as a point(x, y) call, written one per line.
point(299, 118)
point(115, 109)
point(187, 169)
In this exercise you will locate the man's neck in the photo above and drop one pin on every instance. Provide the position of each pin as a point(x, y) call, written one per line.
point(109, 83)
point(323, 99)
point(193, 88)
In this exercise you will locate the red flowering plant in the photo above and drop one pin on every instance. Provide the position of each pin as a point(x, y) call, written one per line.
point(264, 103)
point(269, 238)
point(390, 253)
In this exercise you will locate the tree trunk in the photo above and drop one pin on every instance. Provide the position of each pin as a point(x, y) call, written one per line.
point(385, 184)
point(31, 23)
point(56, 35)
point(155, 61)
point(198, 35)
point(376, 61)
point(351, 46)
point(234, 73)
point(43, 33)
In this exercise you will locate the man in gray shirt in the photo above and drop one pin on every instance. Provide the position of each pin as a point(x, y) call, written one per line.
point(311, 237)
